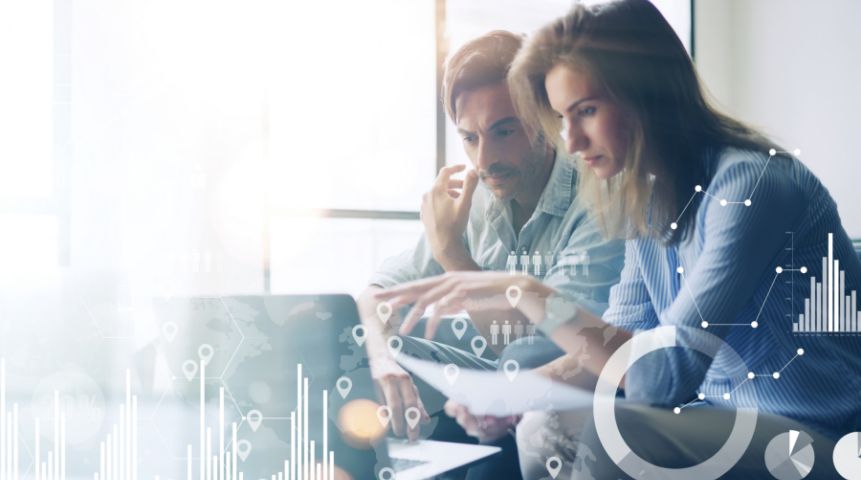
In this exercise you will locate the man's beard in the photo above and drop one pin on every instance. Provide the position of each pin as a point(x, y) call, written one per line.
point(526, 174)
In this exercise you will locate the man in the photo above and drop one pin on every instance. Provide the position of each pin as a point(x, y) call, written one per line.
point(520, 197)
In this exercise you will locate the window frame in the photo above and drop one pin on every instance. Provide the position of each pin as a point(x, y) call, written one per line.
point(442, 47)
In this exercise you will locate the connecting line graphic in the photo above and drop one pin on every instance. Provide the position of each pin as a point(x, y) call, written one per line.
point(724, 202)
point(750, 376)
point(755, 323)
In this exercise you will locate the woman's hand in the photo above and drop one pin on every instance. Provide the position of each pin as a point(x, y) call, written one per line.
point(456, 291)
point(485, 428)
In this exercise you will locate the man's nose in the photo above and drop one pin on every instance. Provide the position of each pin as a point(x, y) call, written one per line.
point(485, 157)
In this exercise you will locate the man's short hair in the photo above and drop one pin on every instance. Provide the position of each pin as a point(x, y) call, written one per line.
point(482, 61)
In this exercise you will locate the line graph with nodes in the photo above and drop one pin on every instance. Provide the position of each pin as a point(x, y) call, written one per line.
point(747, 201)
point(778, 271)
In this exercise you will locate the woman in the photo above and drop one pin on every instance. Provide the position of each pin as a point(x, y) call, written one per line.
point(722, 227)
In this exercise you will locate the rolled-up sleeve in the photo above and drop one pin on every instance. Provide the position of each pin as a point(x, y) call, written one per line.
point(631, 306)
point(412, 264)
point(588, 281)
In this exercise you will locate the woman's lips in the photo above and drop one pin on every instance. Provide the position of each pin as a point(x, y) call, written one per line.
point(590, 161)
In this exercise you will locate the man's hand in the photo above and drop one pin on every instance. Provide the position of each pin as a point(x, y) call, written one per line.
point(471, 291)
point(399, 393)
point(445, 213)
point(485, 428)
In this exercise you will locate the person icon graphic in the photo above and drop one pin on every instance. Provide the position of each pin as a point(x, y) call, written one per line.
point(536, 263)
point(494, 332)
point(518, 330)
point(511, 263)
point(524, 262)
point(585, 262)
point(548, 261)
point(506, 333)
point(530, 333)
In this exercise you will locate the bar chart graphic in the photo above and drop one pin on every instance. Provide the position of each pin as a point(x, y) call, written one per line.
point(829, 308)
point(118, 452)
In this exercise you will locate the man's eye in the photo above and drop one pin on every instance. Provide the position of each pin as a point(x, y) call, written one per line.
point(469, 139)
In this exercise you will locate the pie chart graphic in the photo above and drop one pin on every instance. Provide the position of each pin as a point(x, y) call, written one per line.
point(847, 456)
point(789, 456)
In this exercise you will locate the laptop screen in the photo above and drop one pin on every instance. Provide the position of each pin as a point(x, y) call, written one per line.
point(267, 361)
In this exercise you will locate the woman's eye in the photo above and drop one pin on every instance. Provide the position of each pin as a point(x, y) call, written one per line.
point(505, 132)
point(585, 112)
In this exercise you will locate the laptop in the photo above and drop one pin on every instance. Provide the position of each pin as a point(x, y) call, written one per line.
point(265, 348)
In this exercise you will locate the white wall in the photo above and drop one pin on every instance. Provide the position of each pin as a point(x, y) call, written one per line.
point(791, 68)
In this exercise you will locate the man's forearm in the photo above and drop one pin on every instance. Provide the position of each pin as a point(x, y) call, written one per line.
point(456, 260)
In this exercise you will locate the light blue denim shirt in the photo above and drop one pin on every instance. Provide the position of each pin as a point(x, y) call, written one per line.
point(560, 238)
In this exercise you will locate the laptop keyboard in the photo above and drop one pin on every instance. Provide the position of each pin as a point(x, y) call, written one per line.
point(401, 464)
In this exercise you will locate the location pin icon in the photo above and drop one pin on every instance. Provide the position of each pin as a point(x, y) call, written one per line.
point(412, 415)
point(554, 465)
point(344, 385)
point(255, 418)
point(189, 368)
point(205, 352)
point(243, 448)
point(513, 294)
point(359, 335)
point(386, 474)
point(384, 311)
point(169, 330)
point(384, 414)
point(395, 345)
point(511, 367)
point(458, 326)
point(451, 372)
point(478, 345)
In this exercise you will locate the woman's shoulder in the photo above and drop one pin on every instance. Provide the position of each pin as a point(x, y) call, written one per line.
point(742, 173)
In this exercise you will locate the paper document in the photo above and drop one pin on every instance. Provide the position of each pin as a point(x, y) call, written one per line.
point(495, 392)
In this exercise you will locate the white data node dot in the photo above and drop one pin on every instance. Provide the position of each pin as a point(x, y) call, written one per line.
point(797, 152)
point(803, 270)
point(674, 225)
point(726, 396)
point(705, 324)
point(750, 375)
point(747, 202)
point(772, 152)
point(698, 188)
point(776, 375)
point(701, 396)
point(677, 410)
point(800, 351)
point(680, 269)
point(779, 269)
point(754, 324)
point(723, 202)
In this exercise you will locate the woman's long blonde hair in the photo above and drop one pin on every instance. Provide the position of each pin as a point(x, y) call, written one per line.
point(632, 53)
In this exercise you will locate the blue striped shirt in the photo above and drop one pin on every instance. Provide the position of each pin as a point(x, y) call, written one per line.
point(729, 279)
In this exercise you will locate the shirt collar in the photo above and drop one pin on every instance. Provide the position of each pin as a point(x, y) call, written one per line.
point(557, 196)
point(559, 192)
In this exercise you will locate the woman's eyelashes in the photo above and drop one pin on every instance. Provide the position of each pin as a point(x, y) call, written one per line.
point(587, 111)
point(505, 132)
